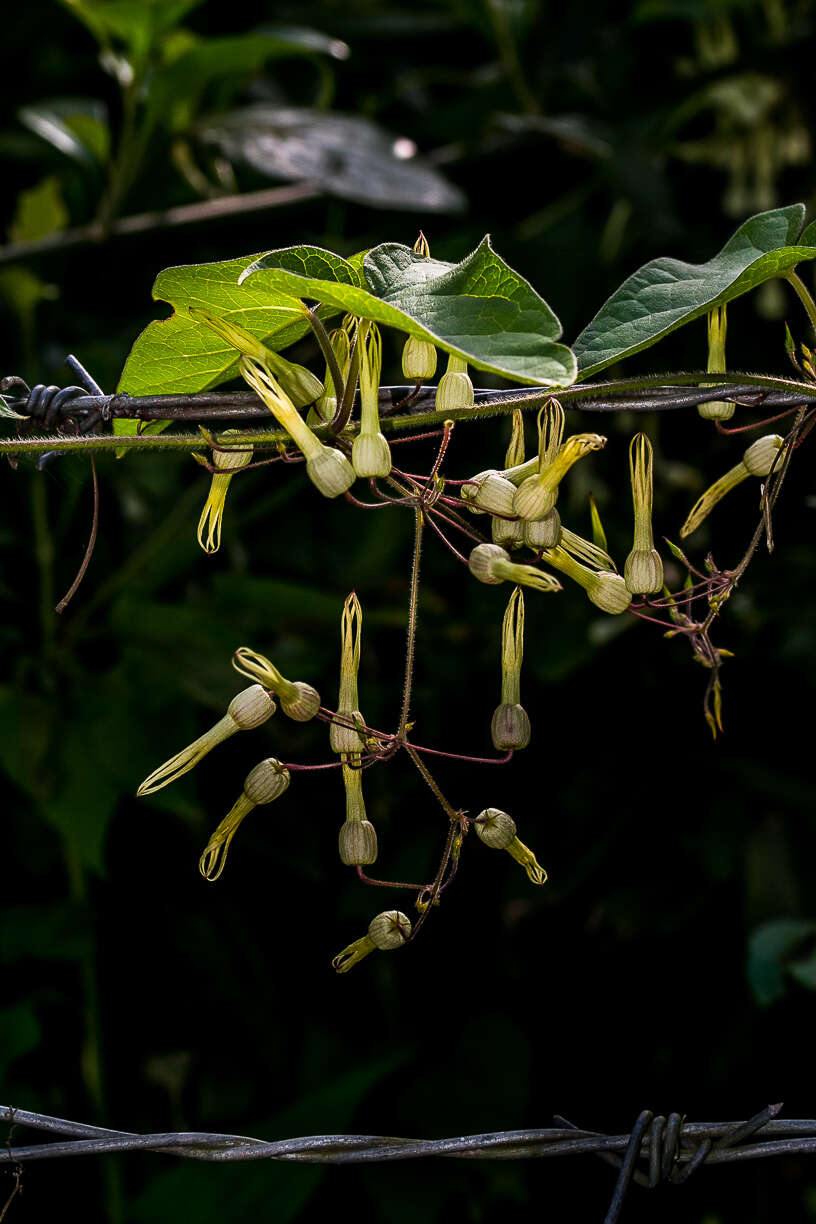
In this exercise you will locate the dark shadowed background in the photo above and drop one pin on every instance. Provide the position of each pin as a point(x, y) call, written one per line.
point(669, 963)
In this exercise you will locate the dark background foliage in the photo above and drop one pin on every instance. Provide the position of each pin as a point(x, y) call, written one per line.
point(653, 969)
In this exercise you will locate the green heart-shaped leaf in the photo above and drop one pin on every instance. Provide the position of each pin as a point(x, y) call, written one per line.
point(479, 309)
point(181, 355)
point(667, 293)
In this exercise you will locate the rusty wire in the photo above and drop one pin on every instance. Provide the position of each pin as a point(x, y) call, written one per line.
point(657, 1150)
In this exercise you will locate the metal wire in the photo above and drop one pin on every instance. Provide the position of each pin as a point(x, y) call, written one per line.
point(87, 406)
point(657, 1149)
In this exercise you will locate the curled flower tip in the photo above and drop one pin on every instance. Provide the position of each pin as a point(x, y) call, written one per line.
point(716, 410)
point(298, 700)
point(246, 711)
point(758, 460)
point(421, 246)
point(643, 570)
point(537, 495)
point(387, 931)
point(266, 782)
point(455, 390)
point(236, 337)
point(227, 462)
point(524, 855)
point(343, 736)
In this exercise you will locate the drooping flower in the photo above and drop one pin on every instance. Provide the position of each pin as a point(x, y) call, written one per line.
point(266, 782)
point(227, 462)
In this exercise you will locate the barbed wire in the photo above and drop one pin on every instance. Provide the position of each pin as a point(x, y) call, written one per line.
point(657, 1149)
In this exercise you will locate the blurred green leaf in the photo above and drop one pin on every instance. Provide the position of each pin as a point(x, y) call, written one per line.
point(78, 127)
point(667, 293)
point(137, 23)
point(770, 947)
point(19, 1034)
point(346, 155)
point(40, 211)
point(479, 309)
point(45, 932)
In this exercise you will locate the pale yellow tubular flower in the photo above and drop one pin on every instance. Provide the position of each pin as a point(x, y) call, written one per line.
point(298, 700)
point(387, 931)
point(606, 590)
point(542, 533)
point(299, 384)
point(455, 389)
point(490, 563)
point(498, 831)
point(507, 533)
point(510, 726)
point(537, 495)
point(324, 408)
point(643, 569)
point(328, 469)
point(757, 461)
point(227, 462)
point(716, 410)
point(266, 782)
point(370, 452)
point(357, 840)
point(249, 709)
point(344, 739)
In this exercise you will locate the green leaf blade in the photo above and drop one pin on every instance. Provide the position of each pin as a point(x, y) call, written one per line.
point(665, 293)
point(479, 309)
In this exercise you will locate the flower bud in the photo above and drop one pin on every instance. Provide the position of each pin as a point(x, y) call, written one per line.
point(758, 460)
point(455, 388)
point(510, 727)
point(371, 455)
point(507, 533)
point(498, 830)
point(227, 462)
point(418, 359)
point(246, 711)
point(266, 782)
point(490, 492)
point(495, 828)
point(330, 471)
point(251, 707)
point(716, 410)
point(387, 931)
point(357, 843)
point(543, 533)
